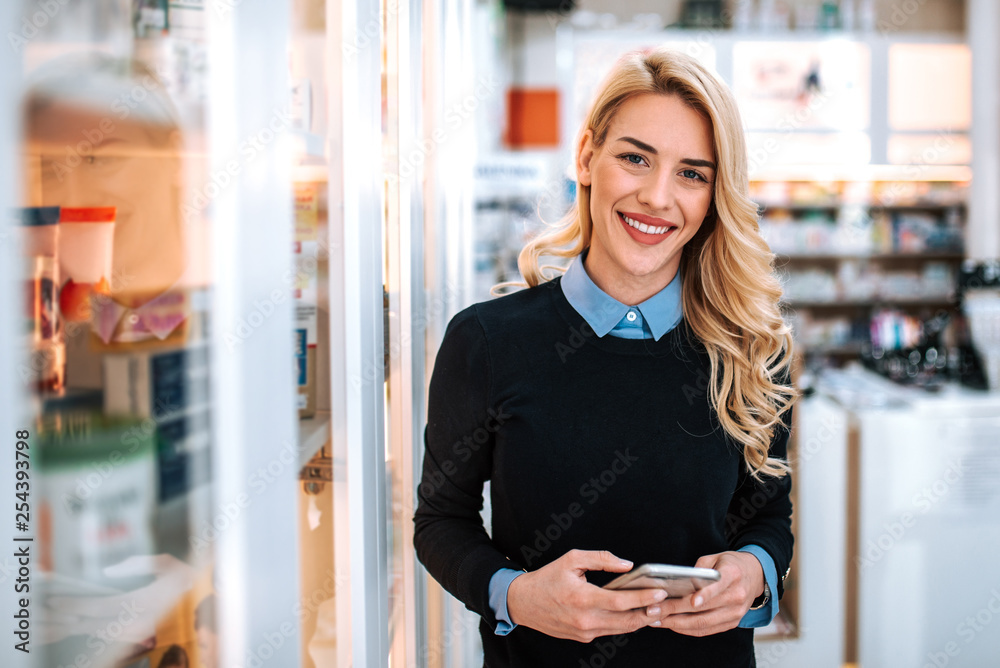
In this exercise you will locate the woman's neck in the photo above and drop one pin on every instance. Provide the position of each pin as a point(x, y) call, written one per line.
point(625, 287)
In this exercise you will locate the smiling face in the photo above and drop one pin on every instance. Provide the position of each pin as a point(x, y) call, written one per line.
point(651, 186)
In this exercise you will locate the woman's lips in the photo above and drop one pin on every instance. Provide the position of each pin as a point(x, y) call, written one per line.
point(646, 229)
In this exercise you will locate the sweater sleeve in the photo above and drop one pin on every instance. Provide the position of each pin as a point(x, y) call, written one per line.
point(761, 510)
point(449, 536)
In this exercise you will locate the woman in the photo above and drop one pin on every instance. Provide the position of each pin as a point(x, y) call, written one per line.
point(631, 411)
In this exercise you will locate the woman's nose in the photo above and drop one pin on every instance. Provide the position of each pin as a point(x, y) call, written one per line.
point(657, 191)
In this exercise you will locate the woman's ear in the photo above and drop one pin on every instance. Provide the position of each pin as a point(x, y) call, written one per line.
point(584, 154)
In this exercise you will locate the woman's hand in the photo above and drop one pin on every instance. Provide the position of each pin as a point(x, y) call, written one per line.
point(558, 601)
point(719, 606)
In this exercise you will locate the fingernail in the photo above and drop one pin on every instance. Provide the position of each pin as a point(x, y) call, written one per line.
point(625, 563)
point(698, 601)
point(653, 611)
point(656, 623)
point(660, 595)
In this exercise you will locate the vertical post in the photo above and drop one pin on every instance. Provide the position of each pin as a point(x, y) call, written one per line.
point(337, 52)
point(878, 121)
point(852, 583)
point(433, 281)
point(407, 310)
point(357, 412)
point(254, 421)
point(983, 228)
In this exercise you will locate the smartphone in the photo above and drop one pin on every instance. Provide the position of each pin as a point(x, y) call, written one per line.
point(676, 580)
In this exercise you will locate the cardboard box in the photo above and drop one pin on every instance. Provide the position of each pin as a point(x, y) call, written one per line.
point(306, 253)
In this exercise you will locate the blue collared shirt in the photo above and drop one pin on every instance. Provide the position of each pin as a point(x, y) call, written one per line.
point(649, 320)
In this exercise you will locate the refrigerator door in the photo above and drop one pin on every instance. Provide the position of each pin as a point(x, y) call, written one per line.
point(157, 401)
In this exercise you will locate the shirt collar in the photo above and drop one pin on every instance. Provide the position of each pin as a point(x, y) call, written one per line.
point(662, 312)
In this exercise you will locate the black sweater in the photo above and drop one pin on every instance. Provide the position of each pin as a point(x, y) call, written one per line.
point(590, 443)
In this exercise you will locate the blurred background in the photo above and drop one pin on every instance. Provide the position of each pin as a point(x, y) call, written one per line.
point(235, 232)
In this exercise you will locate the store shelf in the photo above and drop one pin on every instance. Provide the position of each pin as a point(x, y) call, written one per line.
point(835, 257)
point(314, 433)
point(854, 173)
point(874, 206)
point(833, 351)
point(882, 301)
point(917, 206)
point(818, 206)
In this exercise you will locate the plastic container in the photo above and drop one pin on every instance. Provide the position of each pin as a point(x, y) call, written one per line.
point(39, 235)
point(86, 243)
point(98, 489)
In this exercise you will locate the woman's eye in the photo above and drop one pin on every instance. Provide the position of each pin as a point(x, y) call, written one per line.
point(691, 174)
point(633, 158)
point(102, 161)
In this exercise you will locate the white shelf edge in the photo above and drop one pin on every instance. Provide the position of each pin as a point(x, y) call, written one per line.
point(314, 433)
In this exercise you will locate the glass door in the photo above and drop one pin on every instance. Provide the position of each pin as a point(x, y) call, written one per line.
point(406, 319)
point(149, 373)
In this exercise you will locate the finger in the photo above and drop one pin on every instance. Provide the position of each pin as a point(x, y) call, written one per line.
point(685, 605)
point(703, 596)
point(671, 606)
point(707, 561)
point(624, 622)
point(709, 592)
point(699, 632)
point(704, 623)
point(630, 599)
point(599, 560)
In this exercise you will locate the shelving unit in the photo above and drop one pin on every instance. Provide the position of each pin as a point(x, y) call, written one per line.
point(844, 254)
point(869, 303)
point(875, 257)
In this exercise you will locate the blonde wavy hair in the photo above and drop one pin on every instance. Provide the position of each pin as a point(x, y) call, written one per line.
point(730, 293)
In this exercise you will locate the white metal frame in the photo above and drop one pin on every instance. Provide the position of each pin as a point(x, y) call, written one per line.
point(356, 331)
point(254, 415)
point(407, 308)
point(983, 21)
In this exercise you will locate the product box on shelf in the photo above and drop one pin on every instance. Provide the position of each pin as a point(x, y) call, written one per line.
point(306, 259)
point(127, 322)
point(169, 391)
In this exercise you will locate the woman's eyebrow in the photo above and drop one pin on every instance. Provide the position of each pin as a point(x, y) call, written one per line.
point(694, 162)
point(639, 144)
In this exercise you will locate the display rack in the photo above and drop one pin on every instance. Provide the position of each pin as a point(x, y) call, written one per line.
point(846, 250)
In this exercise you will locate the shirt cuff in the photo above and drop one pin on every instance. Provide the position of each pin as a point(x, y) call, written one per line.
point(499, 584)
point(755, 619)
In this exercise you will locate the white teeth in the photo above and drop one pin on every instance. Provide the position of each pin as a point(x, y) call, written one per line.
point(642, 227)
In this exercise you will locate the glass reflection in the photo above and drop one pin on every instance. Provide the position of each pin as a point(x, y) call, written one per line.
point(121, 452)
